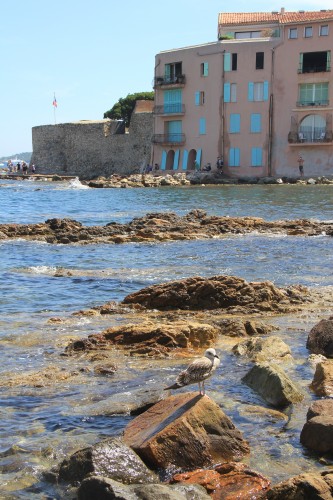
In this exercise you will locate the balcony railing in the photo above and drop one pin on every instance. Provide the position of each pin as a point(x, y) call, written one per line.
point(169, 109)
point(178, 80)
point(169, 139)
point(322, 68)
point(320, 102)
point(318, 136)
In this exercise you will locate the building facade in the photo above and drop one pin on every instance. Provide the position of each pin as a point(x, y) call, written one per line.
point(258, 97)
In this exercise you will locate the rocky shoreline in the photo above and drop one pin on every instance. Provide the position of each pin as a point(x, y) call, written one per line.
point(160, 227)
point(184, 445)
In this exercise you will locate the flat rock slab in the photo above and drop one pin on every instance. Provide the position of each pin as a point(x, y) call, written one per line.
point(186, 430)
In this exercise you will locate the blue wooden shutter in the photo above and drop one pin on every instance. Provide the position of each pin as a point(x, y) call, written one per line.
point(256, 157)
point(185, 157)
point(234, 157)
point(227, 61)
point(266, 91)
point(202, 126)
point(205, 69)
point(197, 98)
point(234, 123)
point(250, 94)
point(163, 160)
point(176, 159)
point(198, 157)
point(226, 92)
point(255, 122)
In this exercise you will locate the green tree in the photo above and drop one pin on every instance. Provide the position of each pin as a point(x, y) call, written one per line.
point(123, 109)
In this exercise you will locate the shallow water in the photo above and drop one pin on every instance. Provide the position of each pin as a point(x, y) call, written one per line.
point(40, 425)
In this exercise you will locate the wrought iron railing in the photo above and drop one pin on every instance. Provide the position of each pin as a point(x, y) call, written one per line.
point(169, 109)
point(171, 138)
point(169, 80)
point(318, 102)
point(322, 68)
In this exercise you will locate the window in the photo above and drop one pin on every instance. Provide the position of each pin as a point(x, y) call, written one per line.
point(313, 128)
point(308, 31)
point(313, 94)
point(255, 126)
point(234, 62)
point(259, 60)
point(199, 98)
point(233, 92)
point(230, 92)
point(314, 62)
point(234, 126)
point(323, 30)
point(204, 69)
point(202, 126)
point(248, 34)
point(293, 33)
point(172, 101)
point(172, 71)
point(256, 157)
point(173, 131)
point(258, 91)
point(234, 157)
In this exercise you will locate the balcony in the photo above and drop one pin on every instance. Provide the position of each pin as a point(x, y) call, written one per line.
point(322, 68)
point(310, 138)
point(320, 102)
point(171, 139)
point(170, 109)
point(169, 81)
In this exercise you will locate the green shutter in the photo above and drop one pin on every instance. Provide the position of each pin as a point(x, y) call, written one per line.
point(266, 87)
point(202, 126)
point(227, 61)
point(163, 160)
point(197, 98)
point(226, 92)
point(185, 157)
point(176, 159)
point(250, 94)
point(198, 157)
point(234, 123)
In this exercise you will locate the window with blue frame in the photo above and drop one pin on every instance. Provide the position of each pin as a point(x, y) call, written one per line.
point(258, 91)
point(256, 157)
point(234, 125)
point(204, 69)
point(199, 98)
point(202, 126)
point(255, 126)
point(234, 157)
point(172, 101)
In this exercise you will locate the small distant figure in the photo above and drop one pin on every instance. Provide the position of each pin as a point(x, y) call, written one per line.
point(33, 168)
point(24, 168)
point(301, 165)
point(156, 167)
point(207, 168)
point(19, 167)
point(219, 164)
point(149, 168)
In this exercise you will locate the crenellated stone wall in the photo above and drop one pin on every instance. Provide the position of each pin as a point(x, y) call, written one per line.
point(89, 149)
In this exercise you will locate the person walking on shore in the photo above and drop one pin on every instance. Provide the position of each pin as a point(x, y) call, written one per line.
point(301, 165)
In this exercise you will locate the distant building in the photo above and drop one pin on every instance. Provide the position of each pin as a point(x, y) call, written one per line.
point(258, 97)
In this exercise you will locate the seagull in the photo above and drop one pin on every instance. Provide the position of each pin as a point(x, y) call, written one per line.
point(198, 371)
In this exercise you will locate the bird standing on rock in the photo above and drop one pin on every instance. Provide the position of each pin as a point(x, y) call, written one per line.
point(198, 371)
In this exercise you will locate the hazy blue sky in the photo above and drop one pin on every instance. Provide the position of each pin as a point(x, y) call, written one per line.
point(91, 53)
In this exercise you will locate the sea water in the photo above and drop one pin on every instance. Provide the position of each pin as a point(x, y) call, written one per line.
point(40, 425)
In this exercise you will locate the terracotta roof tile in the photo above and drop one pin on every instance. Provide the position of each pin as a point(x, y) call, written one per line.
point(243, 18)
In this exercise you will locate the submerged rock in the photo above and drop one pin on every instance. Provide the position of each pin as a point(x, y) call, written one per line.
point(263, 349)
point(187, 430)
point(322, 383)
point(272, 383)
point(228, 481)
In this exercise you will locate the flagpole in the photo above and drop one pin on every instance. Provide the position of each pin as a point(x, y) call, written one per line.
point(54, 108)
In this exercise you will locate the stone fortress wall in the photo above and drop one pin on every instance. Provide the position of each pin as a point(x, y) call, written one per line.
point(89, 149)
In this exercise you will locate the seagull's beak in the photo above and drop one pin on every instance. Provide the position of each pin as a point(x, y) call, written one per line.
point(216, 356)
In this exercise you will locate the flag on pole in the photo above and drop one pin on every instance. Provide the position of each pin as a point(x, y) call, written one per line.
point(55, 104)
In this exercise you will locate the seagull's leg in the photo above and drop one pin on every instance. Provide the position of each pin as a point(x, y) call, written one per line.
point(203, 388)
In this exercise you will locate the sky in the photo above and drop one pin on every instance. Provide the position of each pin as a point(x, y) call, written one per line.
point(89, 54)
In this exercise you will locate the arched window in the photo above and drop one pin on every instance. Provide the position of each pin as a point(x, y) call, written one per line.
point(312, 128)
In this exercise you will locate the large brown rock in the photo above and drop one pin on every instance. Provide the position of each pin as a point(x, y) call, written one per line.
point(308, 486)
point(150, 338)
point(185, 430)
point(216, 292)
point(320, 339)
point(322, 383)
point(236, 327)
point(273, 384)
point(317, 433)
point(228, 481)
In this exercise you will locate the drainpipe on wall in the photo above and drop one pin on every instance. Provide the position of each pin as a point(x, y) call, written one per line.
point(221, 149)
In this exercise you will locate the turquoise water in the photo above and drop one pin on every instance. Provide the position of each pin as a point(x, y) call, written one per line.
point(46, 422)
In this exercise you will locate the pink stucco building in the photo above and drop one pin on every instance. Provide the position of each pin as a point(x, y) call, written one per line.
point(258, 97)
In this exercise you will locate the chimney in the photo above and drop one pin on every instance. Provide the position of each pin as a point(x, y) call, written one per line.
point(282, 10)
